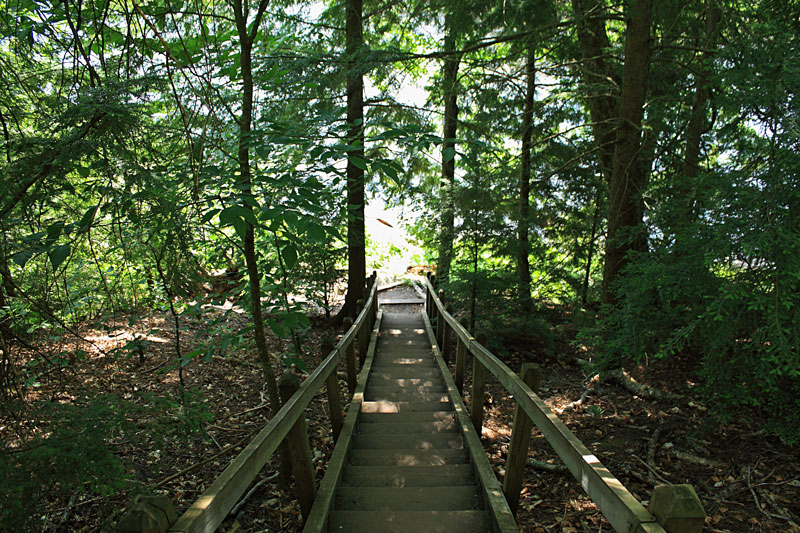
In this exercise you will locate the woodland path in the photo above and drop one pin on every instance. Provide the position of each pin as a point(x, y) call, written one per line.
point(409, 469)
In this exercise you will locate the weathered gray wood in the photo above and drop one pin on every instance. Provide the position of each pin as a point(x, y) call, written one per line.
point(520, 438)
point(476, 400)
point(362, 334)
point(350, 361)
point(502, 517)
point(446, 349)
point(148, 514)
point(461, 361)
point(302, 463)
point(402, 301)
point(211, 508)
point(440, 323)
point(677, 508)
point(318, 518)
point(622, 510)
point(334, 404)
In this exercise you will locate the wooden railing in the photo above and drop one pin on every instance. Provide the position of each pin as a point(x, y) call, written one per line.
point(211, 508)
point(677, 509)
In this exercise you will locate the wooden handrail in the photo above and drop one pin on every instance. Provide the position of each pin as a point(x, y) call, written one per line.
point(211, 508)
point(617, 504)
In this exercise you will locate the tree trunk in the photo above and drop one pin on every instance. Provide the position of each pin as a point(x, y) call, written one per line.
point(601, 85)
point(590, 253)
point(245, 185)
point(447, 183)
point(524, 269)
point(625, 231)
point(697, 122)
point(356, 252)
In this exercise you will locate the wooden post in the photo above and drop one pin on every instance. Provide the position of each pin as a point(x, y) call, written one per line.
point(461, 356)
point(350, 360)
point(332, 389)
point(677, 508)
point(428, 296)
point(148, 514)
point(476, 401)
point(440, 323)
point(362, 335)
point(302, 465)
point(520, 438)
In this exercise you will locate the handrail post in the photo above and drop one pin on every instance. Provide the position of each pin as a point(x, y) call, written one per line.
point(520, 438)
point(476, 400)
point(361, 335)
point(350, 359)
point(150, 514)
point(461, 361)
point(332, 390)
point(440, 323)
point(302, 464)
point(677, 508)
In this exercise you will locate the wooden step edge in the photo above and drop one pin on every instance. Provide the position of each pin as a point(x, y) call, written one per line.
point(323, 503)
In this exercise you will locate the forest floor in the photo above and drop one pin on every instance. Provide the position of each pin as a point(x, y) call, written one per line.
point(747, 481)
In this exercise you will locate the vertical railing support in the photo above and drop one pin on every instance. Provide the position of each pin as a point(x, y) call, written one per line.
point(476, 400)
point(148, 514)
point(332, 390)
point(361, 335)
point(520, 438)
point(677, 508)
point(440, 323)
point(461, 360)
point(350, 360)
point(302, 465)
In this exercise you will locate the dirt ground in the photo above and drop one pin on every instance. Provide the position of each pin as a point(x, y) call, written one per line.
point(747, 481)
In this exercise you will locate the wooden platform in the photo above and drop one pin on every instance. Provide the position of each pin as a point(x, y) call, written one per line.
point(408, 467)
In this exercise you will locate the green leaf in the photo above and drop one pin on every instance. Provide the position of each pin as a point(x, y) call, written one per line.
point(360, 162)
point(289, 254)
point(316, 232)
point(449, 154)
point(87, 217)
point(230, 215)
point(22, 257)
point(58, 254)
point(209, 215)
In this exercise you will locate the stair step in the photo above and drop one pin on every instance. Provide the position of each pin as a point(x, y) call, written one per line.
point(408, 416)
point(431, 382)
point(401, 406)
point(407, 395)
point(430, 441)
point(406, 428)
point(414, 521)
point(389, 362)
point(406, 457)
point(409, 476)
point(407, 498)
point(405, 372)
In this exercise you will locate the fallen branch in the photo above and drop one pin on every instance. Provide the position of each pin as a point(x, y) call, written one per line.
point(689, 458)
point(622, 377)
point(238, 506)
point(577, 403)
point(547, 467)
point(758, 504)
point(652, 446)
point(653, 471)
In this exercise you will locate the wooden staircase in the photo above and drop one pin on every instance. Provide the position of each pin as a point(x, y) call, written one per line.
point(408, 467)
